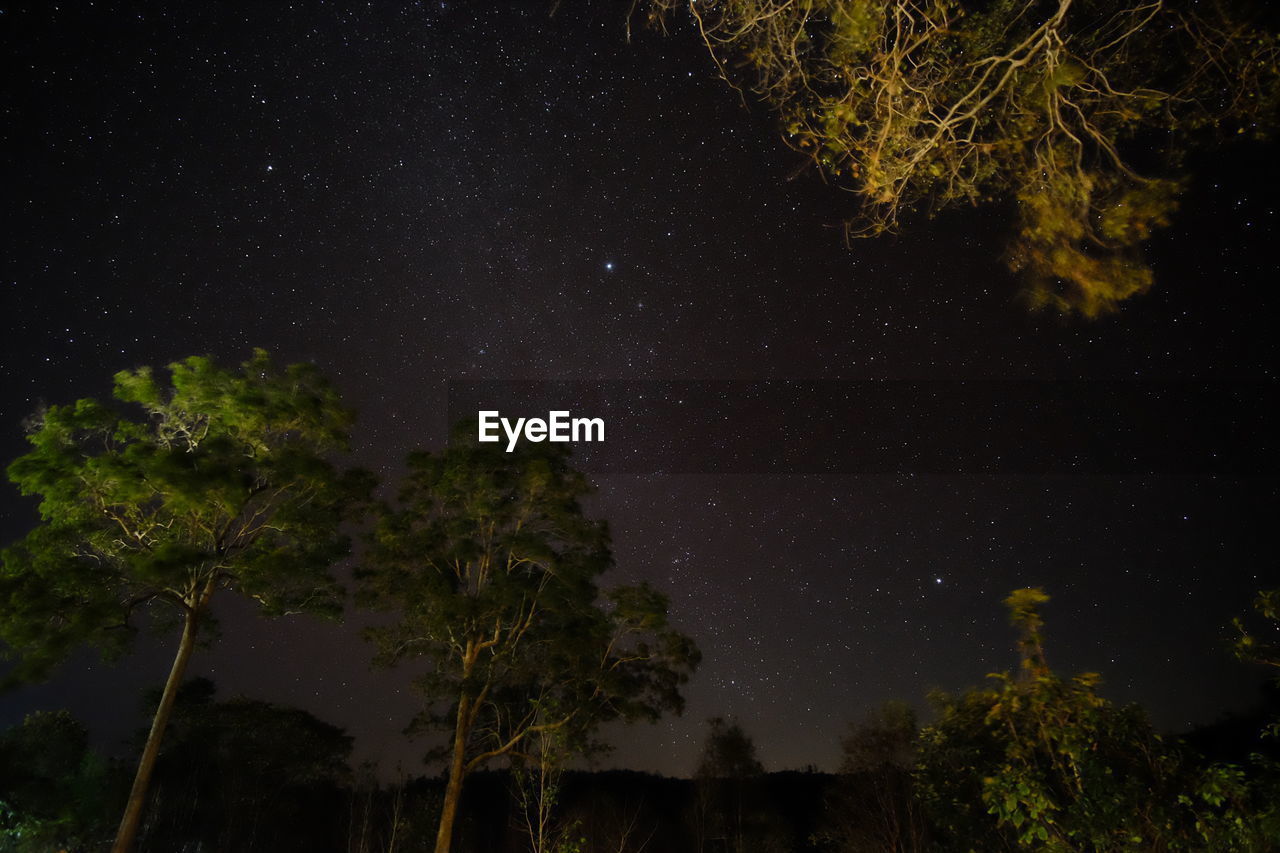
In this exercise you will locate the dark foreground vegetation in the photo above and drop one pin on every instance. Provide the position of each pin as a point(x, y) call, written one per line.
point(242, 775)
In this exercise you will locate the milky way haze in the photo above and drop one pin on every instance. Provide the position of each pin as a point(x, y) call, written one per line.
point(486, 191)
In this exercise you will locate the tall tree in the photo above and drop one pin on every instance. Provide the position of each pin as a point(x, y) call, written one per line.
point(204, 481)
point(730, 803)
point(873, 804)
point(537, 786)
point(492, 569)
point(1077, 113)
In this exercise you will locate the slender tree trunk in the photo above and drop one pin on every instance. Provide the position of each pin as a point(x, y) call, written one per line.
point(364, 820)
point(128, 830)
point(453, 787)
point(397, 804)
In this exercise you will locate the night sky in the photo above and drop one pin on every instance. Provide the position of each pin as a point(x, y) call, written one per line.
point(409, 195)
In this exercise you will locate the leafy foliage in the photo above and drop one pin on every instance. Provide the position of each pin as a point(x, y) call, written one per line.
point(1261, 644)
point(214, 479)
point(1044, 763)
point(55, 793)
point(1077, 112)
point(537, 782)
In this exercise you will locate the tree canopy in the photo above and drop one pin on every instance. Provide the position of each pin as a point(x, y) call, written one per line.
point(1077, 113)
point(728, 752)
point(492, 568)
point(239, 774)
point(1262, 643)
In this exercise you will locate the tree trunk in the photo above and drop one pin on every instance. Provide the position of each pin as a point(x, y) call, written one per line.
point(397, 805)
point(128, 830)
point(453, 788)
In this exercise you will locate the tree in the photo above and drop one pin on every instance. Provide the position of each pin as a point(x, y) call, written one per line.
point(1078, 112)
point(210, 480)
point(537, 777)
point(728, 752)
point(873, 805)
point(54, 790)
point(492, 568)
point(730, 802)
point(241, 774)
point(1040, 762)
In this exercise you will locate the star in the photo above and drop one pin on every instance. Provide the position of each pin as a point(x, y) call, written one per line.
point(399, 252)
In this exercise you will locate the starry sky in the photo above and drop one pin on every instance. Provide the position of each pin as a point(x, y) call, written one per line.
point(411, 195)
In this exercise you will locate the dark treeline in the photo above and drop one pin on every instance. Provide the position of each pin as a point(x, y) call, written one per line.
point(244, 775)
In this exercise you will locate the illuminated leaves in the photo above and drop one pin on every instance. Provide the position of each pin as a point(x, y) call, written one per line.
point(1039, 762)
point(207, 479)
point(925, 105)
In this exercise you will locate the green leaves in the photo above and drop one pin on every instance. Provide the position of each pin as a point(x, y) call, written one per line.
point(52, 600)
point(1261, 643)
point(196, 479)
point(491, 569)
point(1039, 762)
